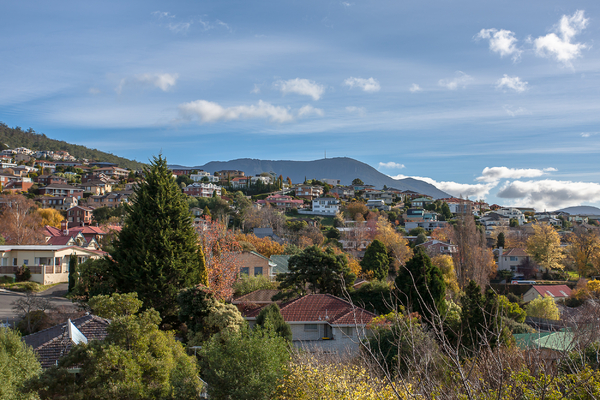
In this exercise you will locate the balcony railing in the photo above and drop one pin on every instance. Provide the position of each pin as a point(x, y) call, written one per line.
point(35, 269)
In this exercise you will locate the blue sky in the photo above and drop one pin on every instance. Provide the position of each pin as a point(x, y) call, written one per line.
point(486, 99)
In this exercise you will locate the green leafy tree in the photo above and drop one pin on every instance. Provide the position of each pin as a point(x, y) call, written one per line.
point(376, 260)
point(421, 286)
point(480, 317)
point(270, 316)
point(357, 181)
point(245, 365)
point(514, 223)
point(115, 305)
point(445, 211)
point(316, 271)
point(157, 252)
point(500, 240)
point(543, 307)
point(375, 296)
point(421, 238)
point(72, 272)
point(135, 361)
point(95, 277)
point(18, 363)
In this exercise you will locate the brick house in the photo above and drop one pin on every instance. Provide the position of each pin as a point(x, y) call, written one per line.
point(57, 189)
point(254, 264)
point(79, 215)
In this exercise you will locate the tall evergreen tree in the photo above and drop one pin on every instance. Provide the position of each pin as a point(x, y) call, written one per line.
point(157, 252)
point(480, 317)
point(72, 272)
point(376, 260)
point(421, 286)
point(500, 241)
point(271, 314)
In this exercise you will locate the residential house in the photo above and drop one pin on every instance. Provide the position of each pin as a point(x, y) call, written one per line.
point(227, 175)
point(512, 213)
point(325, 206)
point(88, 237)
point(53, 343)
point(113, 172)
point(48, 166)
point(241, 182)
point(50, 179)
point(96, 187)
point(331, 182)
point(262, 233)
point(48, 264)
point(386, 196)
point(421, 201)
point(550, 221)
point(343, 192)
point(60, 203)
point(200, 175)
point(459, 206)
point(18, 185)
point(493, 218)
point(79, 215)
point(59, 189)
point(254, 264)
point(378, 205)
point(437, 247)
point(556, 292)
point(548, 346)
point(202, 190)
point(511, 259)
point(324, 323)
point(282, 202)
point(308, 191)
point(112, 199)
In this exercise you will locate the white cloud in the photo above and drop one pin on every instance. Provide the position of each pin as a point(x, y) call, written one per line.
point(502, 42)
point(514, 83)
point(550, 194)
point(208, 111)
point(391, 164)
point(588, 134)
point(301, 86)
point(179, 27)
point(415, 88)
point(367, 85)
point(461, 80)
point(162, 81)
point(361, 111)
point(516, 111)
point(309, 110)
point(256, 88)
point(559, 43)
point(477, 190)
point(494, 174)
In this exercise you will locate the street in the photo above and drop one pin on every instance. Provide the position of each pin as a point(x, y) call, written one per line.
point(54, 295)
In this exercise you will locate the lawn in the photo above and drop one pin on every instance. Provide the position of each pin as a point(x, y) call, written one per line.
point(26, 286)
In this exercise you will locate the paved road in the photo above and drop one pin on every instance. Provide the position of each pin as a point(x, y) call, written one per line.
point(54, 294)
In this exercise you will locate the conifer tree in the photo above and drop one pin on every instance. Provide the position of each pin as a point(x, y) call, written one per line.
point(376, 260)
point(421, 286)
point(157, 252)
point(272, 315)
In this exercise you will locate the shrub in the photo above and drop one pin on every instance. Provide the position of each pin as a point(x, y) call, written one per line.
point(247, 284)
point(23, 274)
point(7, 279)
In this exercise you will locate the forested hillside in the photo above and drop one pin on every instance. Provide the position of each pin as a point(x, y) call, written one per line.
point(17, 137)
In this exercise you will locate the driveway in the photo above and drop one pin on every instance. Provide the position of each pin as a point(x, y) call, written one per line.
point(54, 295)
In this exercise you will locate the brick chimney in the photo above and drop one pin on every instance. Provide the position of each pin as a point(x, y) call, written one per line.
point(64, 227)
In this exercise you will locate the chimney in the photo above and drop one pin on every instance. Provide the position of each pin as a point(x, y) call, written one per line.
point(64, 227)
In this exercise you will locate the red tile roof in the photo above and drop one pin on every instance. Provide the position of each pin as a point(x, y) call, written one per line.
point(553, 290)
point(322, 307)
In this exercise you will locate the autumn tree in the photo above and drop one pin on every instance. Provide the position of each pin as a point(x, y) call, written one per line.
point(444, 234)
point(264, 246)
point(544, 247)
point(356, 208)
point(396, 244)
point(221, 250)
point(584, 250)
point(446, 265)
point(50, 216)
point(157, 252)
point(19, 222)
point(543, 307)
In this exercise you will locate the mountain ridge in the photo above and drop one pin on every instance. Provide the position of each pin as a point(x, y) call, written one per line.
point(581, 210)
point(343, 168)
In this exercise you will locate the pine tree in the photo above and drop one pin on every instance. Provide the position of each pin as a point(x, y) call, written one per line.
point(421, 286)
point(376, 260)
point(157, 252)
point(72, 272)
point(500, 241)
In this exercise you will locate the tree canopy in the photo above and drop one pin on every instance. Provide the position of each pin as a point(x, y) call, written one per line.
point(18, 363)
point(376, 260)
point(544, 246)
point(157, 253)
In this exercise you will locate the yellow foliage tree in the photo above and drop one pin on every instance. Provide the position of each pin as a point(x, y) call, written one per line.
point(544, 247)
point(50, 216)
point(314, 380)
point(543, 307)
point(264, 246)
point(395, 243)
point(446, 265)
point(584, 250)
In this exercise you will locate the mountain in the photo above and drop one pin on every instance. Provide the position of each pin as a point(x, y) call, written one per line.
point(581, 210)
point(342, 168)
point(16, 137)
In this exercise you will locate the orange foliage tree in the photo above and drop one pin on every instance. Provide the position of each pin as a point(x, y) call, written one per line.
point(265, 246)
point(221, 250)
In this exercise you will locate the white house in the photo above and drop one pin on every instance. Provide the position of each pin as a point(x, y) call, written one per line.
point(325, 205)
point(510, 259)
point(511, 213)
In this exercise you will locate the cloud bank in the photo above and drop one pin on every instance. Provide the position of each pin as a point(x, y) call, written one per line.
point(494, 174)
point(208, 111)
point(162, 81)
point(303, 87)
point(478, 190)
point(391, 164)
point(514, 83)
point(550, 194)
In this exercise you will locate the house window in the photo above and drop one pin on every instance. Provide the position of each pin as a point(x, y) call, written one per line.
point(57, 261)
point(512, 258)
point(258, 271)
point(25, 262)
point(245, 271)
point(311, 327)
point(347, 331)
point(15, 261)
point(5, 262)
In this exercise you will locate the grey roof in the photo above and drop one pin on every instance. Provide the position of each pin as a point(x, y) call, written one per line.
point(281, 264)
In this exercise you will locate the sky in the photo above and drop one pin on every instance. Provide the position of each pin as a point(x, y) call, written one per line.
point(494, 100)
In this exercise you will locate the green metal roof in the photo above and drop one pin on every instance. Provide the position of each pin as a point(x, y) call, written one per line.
point(281, 262)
